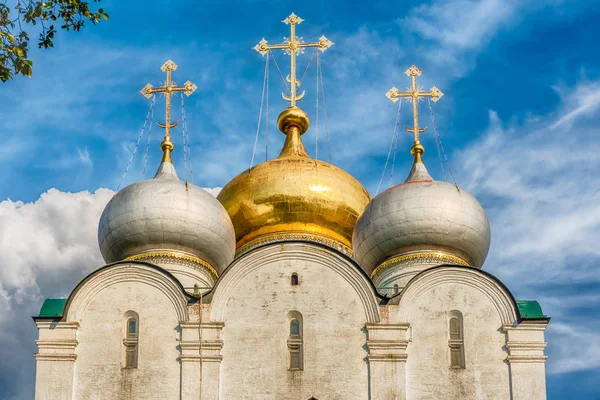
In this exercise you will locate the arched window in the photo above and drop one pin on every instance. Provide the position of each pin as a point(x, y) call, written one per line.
point(295, 341)
point(456, 339)
point(396, 289)
point(294, 279)
point(294, 328)
point(130, 339)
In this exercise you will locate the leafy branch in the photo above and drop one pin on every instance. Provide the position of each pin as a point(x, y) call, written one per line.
point(14, 41)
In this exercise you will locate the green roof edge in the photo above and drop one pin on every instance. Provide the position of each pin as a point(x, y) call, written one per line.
point(53, 308)
point(530, 309)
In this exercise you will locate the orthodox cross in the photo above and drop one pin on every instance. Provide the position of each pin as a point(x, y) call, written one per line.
point(293, 46)
point(168, 89)
point(414, 94)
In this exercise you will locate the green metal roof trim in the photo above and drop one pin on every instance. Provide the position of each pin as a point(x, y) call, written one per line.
point(53, 308)
point(530, 309)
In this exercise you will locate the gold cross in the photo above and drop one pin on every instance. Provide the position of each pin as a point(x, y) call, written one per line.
point(414, 94)
point(293, 46)
point(168, 89)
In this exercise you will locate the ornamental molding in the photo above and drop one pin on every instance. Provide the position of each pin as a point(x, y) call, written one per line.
point(516, 359)
point(177, 258)
point(387, 357)
point(55, 357)
point(293, 236)
point(103, 278)
point(56, 350)
point(52, 324)
point(293, 251)
point(387, 342)
point(470, 277)
point(57, 344)
point(420, 257)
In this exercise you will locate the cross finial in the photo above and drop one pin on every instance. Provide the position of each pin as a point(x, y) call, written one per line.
point(293, 46)
point(414, 94)
point(168, 89)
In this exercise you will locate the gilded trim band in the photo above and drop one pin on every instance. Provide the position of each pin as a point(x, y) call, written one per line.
point(174, 255)
point(426, 256)
point(287, 236)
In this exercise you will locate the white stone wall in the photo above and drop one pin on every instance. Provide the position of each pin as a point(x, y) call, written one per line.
point(353, 348)
point(485, 309)
point(99, 307)
point(258, 297)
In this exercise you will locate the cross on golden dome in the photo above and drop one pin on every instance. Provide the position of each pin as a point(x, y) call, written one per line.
point(168, 89)
point(414, 94)
point(293, 46)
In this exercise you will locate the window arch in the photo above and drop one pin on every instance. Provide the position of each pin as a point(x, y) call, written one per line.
point(131, 333)
point(295, 342)
point(456, 341)
point(294, 279)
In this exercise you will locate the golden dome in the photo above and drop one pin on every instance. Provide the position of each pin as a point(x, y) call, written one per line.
point(294, 195)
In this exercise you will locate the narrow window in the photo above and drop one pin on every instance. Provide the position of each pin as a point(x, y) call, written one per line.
point(396, 289)
point(294, 279)
point(294, 328)
point(130, 340)
point(294, 342)
point(456, 340)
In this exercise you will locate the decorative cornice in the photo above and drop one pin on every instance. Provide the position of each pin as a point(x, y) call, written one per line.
point(387, 357)
point(55, 357)
point(291, 236)
point(50, 324)
point(56, 350)
point(197, 358)
point(526, 351)
point(57, 344)
point(434, 257)
point(526, 359)
point(173, 256)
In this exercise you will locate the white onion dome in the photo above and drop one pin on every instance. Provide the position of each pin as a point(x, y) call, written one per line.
point(419, 217)
point(168, 217)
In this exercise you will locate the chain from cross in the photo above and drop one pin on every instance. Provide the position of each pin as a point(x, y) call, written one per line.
point(167, 90)
point(293, 46)
point(414, 94)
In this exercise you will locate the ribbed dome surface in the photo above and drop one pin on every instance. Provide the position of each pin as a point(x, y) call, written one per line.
point(165, 213)
point(421, 214)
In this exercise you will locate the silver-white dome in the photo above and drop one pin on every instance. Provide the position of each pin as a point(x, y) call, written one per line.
point(421, 214)
point(165, 213)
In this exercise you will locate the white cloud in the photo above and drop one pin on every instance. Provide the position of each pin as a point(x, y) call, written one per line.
point(575, 347)
point(584, 101)
point(460, 24)
point(538, 182)
point(55, 233)
point(46, 248)
point(541, 193)
point(457, 29)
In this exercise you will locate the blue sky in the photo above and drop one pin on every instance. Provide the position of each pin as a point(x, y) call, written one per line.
point(518, 121)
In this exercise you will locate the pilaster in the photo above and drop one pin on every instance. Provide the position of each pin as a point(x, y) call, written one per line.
point(527, 362)
point(55, 359)
point(386, 346)
point(201, 359)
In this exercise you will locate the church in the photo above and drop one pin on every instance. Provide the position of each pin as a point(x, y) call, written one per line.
point(293, 283)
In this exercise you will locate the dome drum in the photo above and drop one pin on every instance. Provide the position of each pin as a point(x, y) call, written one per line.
point(397, 270)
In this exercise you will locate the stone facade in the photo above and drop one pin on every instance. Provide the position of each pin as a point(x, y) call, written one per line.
point(239, 340)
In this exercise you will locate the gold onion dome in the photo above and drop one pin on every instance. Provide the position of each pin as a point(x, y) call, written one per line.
point(293, 195)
